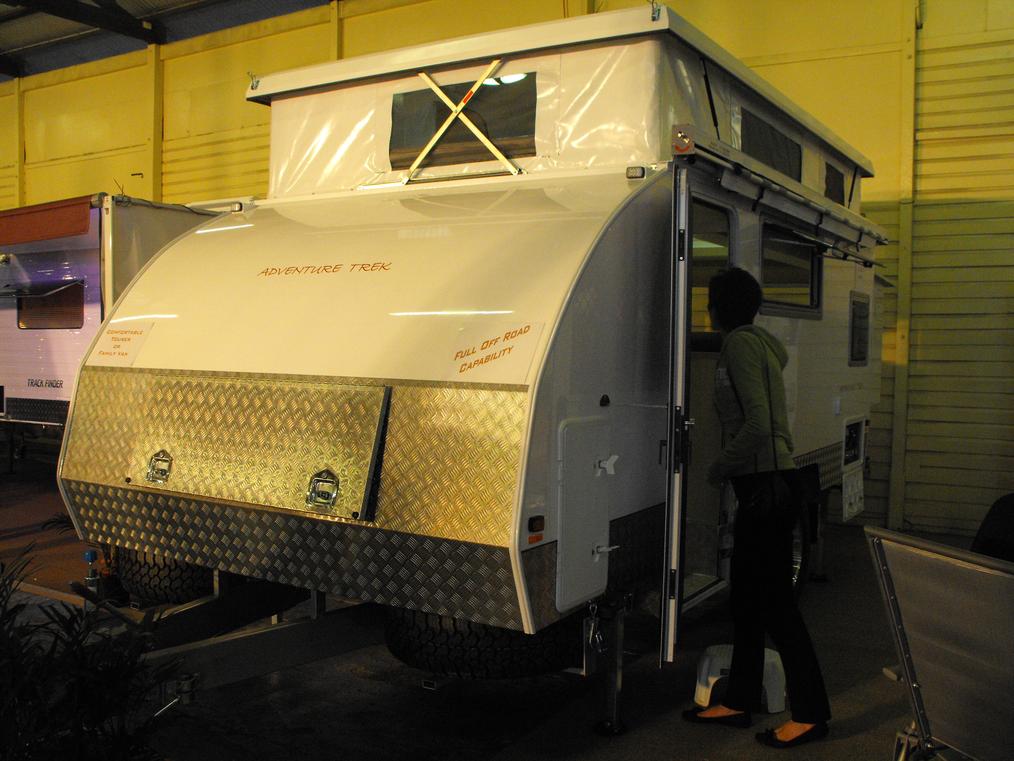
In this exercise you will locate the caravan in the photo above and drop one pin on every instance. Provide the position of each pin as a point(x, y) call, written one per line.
point(62, 267)
point(454, 363)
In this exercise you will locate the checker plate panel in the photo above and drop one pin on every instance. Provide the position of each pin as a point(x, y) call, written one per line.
point(829, 461)
point(458, 579)
point(450, 458)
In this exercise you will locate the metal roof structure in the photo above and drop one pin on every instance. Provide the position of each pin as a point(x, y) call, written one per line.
point(42, 35)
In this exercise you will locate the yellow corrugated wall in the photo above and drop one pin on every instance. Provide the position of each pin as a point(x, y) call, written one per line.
point(960, 446)
point(215, 143)
point(369, 26)
point(90, 128)
point(172, 123)
point(10, 144)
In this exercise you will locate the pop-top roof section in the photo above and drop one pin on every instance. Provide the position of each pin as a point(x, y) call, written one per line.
point(598, 27)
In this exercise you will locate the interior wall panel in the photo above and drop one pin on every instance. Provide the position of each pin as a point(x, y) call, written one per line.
point(10, 161)
point(215, 143)
point(369, 26)
point(85, 175)
point(83, 117)
point(89, 133)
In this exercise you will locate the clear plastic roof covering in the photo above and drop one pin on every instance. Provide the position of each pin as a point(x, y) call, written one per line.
point(42, 35)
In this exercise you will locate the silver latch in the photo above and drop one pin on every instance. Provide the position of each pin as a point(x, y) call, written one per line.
point(603, 549)
point(323, 489)
point(606, 465)
point(159, 467)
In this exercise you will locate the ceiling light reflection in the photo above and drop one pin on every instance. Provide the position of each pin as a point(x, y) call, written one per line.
point(452, 313)
point(146, 317)
point(223, 229)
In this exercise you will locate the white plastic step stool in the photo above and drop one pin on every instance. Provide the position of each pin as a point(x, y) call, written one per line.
point(714, 665)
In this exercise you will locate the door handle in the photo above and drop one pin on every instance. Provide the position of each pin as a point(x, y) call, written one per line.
point(602, 549)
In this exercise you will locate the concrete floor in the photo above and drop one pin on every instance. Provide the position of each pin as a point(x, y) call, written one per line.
point(28, 498)
point(367, 706)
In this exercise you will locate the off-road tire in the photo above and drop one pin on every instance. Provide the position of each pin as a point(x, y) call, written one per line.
point(454, 647)
point(155, 579)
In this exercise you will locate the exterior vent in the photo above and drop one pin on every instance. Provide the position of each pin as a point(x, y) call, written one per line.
point(765, 143)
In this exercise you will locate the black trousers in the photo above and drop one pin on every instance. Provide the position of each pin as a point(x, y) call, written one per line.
point(763, 601)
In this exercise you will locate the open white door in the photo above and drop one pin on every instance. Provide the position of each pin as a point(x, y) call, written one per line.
point(679, 424)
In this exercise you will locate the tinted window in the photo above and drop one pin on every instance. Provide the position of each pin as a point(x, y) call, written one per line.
point(859, 329)
point(503, 108)
point(710, 254)
point(63, 308)
point(834, 184)
point(790, 269)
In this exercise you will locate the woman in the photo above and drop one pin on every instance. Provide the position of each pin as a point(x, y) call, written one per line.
point(757, 458)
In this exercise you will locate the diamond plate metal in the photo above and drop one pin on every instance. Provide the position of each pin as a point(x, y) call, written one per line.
point(450, 454)
point(539, 567)
point(829, 459)
point(451, 462)
point(36, 410)
point(241, 439)
point(458, 579)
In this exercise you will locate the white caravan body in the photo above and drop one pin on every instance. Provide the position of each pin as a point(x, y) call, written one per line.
point(441, 383)
point(62, 267)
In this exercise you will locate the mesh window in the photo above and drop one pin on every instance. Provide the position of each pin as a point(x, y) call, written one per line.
point(834, 184)
point(790, 269)
point(61, 309)
point(765, 143)
point(502, 108)
point(710, 254)
point(859, 329)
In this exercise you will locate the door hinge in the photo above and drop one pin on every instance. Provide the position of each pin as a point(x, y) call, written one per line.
point(672, 584)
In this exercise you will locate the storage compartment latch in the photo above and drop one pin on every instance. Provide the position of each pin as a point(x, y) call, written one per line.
point(159, 467)
point(323, 489)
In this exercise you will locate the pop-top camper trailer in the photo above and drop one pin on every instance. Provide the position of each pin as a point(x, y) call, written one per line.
point(450, 364)
point(62, 267)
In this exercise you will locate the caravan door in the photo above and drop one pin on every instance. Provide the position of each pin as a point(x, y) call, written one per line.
point(678, 437)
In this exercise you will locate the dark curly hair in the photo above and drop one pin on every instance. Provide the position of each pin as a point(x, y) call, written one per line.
point(736, 297)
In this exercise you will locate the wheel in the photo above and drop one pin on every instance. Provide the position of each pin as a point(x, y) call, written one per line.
point(155, 579)
point(454, 647)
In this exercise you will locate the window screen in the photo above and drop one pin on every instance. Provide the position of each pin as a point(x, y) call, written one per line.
point(710, 254)
point(834, 184)
point(859, 329)
point(62, 308)
point(765, 143)
point(790, 269)
point(503, 108)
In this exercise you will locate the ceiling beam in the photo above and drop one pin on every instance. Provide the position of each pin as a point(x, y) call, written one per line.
point(119, 22)
point(11, 67)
